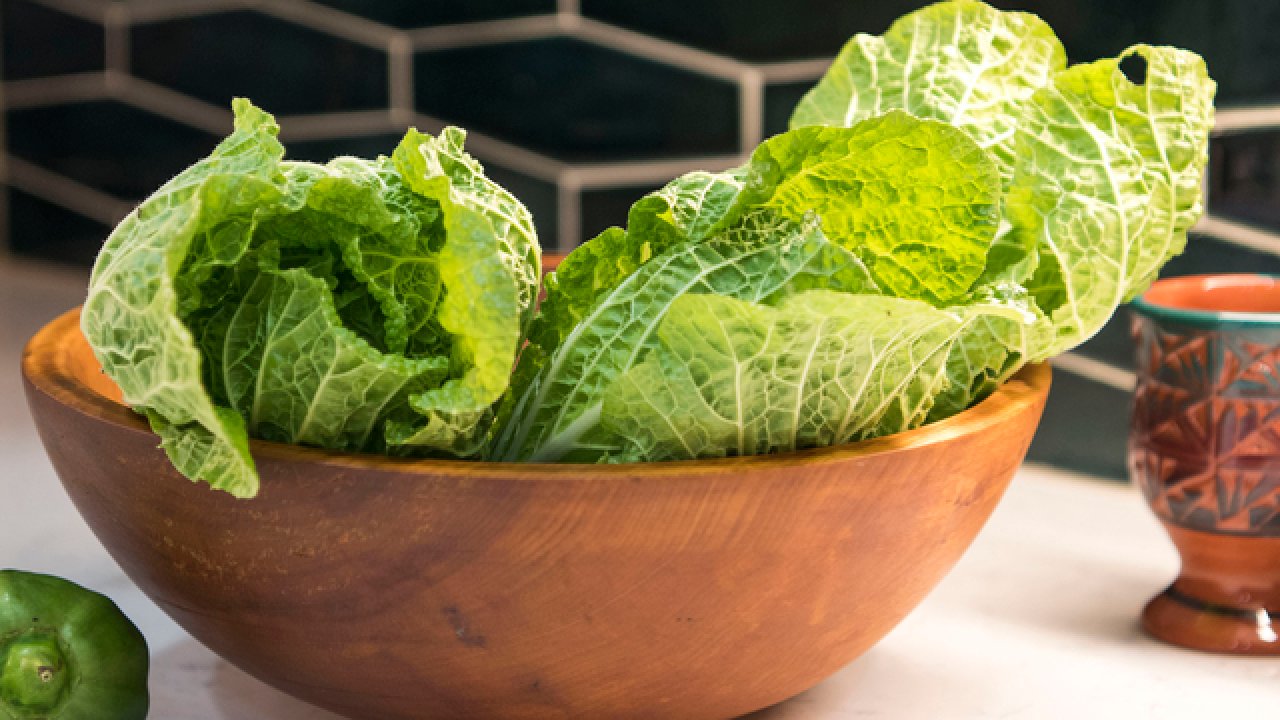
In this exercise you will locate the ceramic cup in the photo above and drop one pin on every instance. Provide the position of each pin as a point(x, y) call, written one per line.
point(1204, 445)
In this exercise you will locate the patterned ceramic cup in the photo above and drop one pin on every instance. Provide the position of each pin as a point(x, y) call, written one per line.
point(1204, 446)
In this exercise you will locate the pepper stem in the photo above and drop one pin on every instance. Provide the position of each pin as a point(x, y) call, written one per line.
point(34, 675)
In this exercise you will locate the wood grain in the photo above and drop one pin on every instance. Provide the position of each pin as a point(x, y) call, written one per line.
point(387, 588)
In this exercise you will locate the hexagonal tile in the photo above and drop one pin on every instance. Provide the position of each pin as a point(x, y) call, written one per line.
point(755, 30)
point(115, 148)
point(1208, 254)
point(1113, 344)
point(41, 229)
point(578, 101)
point(779, 102)
point(1245, 178)
point(1084, 427)
point(321, 151)
point(38, 41)
point(607, 207)
point(424, 14)
point(286, 69)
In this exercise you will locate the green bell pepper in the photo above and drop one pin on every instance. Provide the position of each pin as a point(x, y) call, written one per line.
point(67, 653)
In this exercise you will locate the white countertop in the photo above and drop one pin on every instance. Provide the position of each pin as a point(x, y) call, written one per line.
point(1038, 621)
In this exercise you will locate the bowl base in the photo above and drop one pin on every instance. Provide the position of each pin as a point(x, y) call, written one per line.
point(1182, 619)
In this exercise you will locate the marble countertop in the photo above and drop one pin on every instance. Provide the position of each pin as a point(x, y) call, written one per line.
point(1037, 621)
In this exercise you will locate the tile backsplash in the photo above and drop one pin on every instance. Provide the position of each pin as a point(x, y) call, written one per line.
point(577, 106)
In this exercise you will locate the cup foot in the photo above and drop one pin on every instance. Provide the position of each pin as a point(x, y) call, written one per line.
point(1181, 619)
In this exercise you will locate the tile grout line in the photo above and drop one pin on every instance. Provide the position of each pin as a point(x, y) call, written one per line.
point(790, 71)
point(485, 32)
point(335, 125)
point(324, 19)
point(1230, 121)
point(491, 149)
point(1238, 233)
point(65, 192)
point(657, 50)
point(115, 37)
point(750, 111)
point(143, 12)
point(83, 9)
point(172, 105)
point(1096, 370)
point(400, 79)
point(568, 215)
point(607, 175)
point(54, 90)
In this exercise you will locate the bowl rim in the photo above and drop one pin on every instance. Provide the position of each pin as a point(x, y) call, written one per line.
point(1148, 303)
point(45, 368)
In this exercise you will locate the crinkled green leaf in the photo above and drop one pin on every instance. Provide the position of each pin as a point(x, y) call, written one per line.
point(426, 161)
point(1003, 329)
point(490, 267)
point(685, 210)
point(963, 62)
point(298, 376)
point(1107, 182)
point(481, 310)
point(349, 305)
point(556, 414)
point(388, 238)
point(130, 316)
point(916, 200)
point(732, 377)
point(1102, 177)
point(692, 205)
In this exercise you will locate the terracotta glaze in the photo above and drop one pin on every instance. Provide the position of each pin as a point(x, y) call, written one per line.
point(1204, 447)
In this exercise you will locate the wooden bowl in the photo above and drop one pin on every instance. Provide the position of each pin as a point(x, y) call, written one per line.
point(389, 588)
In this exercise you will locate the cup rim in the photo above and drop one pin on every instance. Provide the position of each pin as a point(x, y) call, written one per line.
point(1208, 318)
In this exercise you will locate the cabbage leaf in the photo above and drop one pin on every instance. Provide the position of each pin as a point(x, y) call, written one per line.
point(556, 399)
point(1002, 204)
point(1101, 174)
point(729, 377)
point(862, 211)
point(358, 305)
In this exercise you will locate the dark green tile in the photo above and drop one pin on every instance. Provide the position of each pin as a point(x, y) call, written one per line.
point(1232, 35)
point(423, 14)
point(1244, 178)
point(41, 229)
point(322, 151)
point(779, 102)
point(1085, 427)
point(1237, 37)
point(756, 30)
point(602, 209)
point(1112, 344)
point(1206, 254)
point(284, 68)
point(115, 148)
point(1095, 29)
point(578, 101)
point(38, 41)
